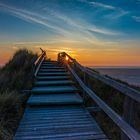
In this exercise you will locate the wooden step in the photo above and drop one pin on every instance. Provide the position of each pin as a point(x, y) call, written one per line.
point(53, 74)
point(52, 70)
point(55, 109)
point(56, 99)
point(54, 89)
point(50, 62)
point(58, 129)
point(51, 67)
point(51, 83)
point(53, 77)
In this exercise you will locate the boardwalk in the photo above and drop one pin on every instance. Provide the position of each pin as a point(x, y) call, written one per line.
point(55, 110)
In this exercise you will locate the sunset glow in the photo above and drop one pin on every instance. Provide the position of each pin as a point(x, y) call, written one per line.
point(96, 33)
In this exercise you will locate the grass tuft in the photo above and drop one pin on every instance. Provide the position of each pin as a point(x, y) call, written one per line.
point(11, 109)
point(14, 76)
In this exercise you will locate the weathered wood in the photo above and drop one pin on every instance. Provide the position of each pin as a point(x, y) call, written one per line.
point(39, 61)
point(124, 126)
point(128, 114)
point(56, 112)
point(38, 67)
point(124, 89)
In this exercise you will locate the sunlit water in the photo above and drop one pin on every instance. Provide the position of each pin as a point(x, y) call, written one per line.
point(130, 75)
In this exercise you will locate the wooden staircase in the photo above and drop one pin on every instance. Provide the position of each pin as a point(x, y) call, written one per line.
point(55, 109)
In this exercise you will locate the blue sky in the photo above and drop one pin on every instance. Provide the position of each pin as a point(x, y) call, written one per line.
point(86, 24)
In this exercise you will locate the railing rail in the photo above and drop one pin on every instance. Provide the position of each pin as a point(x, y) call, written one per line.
point(39, 61)
point(124, 89)
point(134, 95)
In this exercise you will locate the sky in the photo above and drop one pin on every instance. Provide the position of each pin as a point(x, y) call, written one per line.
point(95, 32)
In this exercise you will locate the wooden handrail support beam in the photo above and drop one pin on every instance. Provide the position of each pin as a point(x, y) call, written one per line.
point(124, 126)
point(38, 67)
point(124, 89)
point(131, 94)
point(39, 61)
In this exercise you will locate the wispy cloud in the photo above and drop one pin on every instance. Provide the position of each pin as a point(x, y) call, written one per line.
point(136, 18)
point(97, 4)
point(31, 17)
point(67, 27)
point(116, 12)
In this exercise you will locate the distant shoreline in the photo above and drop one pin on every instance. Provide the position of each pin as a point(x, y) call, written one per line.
point(114, 67)
point(130, 75)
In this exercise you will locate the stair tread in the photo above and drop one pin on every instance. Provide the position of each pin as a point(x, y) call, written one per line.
point(53, 73)
point(54, 89)
point(71, 128)
point(56, 82)
point(52, 70)
point(48, 99)
point(52, 77)
point(53, 67)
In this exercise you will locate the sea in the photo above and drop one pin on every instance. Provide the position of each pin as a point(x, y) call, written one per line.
point(130, 75)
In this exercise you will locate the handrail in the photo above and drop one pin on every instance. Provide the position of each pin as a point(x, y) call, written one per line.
point(122, 124)
point(39, 57)
point(124, 89)
point(39, 61)
point(132, 93)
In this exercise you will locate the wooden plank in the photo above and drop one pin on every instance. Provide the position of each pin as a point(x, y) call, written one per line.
point(125, 127)
point(59, 126)
point(56, 82)
point(52, 77)
point(38, 67)
point(124, 89)
point(54, 89)
point(53, 73)
point(56, 99)
point(68, 121)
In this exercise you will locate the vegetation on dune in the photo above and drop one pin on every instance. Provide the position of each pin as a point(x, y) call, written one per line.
point(14, 76)
point(11, 109)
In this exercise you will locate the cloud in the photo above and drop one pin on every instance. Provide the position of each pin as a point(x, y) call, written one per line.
point(136, 18)
point(31, 17)
point(97, 4)
point(61, 24)
point(116, 13)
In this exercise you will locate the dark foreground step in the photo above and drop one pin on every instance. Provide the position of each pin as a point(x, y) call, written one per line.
point(55, 99)
point(41, 124)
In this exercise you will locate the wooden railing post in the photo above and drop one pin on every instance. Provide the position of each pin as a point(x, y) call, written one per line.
point(38, 62)
point(128, 113)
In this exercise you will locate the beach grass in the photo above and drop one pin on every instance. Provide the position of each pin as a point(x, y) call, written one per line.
point(14, 76)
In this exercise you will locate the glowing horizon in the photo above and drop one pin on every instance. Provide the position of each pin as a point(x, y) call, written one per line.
point(96, 33)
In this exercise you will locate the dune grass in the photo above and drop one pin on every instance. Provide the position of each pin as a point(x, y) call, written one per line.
point(11, 109)
point(18, 70)
point(14, 76)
